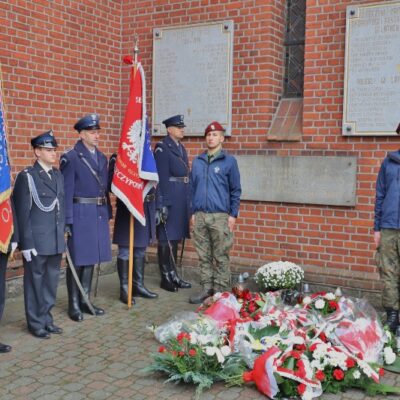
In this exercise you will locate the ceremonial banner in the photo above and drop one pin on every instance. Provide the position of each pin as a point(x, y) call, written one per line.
point(135, 169)
point(6, 221)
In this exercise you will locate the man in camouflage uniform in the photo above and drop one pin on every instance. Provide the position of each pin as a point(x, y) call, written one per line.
point(216, 194)
point(387, 234)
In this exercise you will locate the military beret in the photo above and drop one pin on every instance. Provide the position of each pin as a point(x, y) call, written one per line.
point(176, 120)
point(214, 126)
point(45, 139)
point(88, 123)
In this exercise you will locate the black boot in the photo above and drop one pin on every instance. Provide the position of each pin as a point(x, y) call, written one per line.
point(86, 280)
point(172, 269)
point(138, 277)
point(74, 310)
point(163, 263)
point(122, 268)
point(392, 319)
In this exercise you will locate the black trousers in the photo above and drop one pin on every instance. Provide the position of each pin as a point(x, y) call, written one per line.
point(41, 277)
point(3, 267)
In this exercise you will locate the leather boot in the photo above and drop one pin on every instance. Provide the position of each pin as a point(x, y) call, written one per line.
point(138, 277)
point(200, 297)
point(163, 263)
point(122, 268)
point(74, 310)
point(392, 319)
point(86, 280)
point(172, 269)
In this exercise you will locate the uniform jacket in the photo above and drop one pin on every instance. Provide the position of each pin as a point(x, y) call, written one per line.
point(216, 185)
point(387, 203)
point(172, 161)
point(143, 235)
point(40, 230)
point(90, 242)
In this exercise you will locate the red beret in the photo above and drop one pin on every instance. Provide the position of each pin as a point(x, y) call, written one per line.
point(214, 126)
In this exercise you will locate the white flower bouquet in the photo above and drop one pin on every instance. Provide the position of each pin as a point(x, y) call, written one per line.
point(279, 275)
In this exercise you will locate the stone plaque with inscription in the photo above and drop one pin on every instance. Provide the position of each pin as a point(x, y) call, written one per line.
point(372, 69)
point(302, 180)
point(192, 75)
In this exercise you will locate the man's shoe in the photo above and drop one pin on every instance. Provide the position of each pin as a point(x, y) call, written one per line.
point(200, 297)
point(54, 329)
point(41, 333)
point(5, 348)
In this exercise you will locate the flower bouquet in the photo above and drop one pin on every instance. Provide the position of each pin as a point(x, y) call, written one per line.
point(321, 302)
point(279, 275)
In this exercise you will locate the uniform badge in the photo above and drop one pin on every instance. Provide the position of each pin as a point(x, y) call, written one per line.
point(217, 169)
point(133, 148)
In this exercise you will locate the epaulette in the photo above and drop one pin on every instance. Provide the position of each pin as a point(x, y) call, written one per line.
point(68, 150)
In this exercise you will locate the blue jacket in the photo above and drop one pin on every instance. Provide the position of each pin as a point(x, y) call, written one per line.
point(387, 203)
point(216, 186)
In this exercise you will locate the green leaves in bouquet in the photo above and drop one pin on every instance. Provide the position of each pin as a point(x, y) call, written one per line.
point(258, 334)
point(395, 367)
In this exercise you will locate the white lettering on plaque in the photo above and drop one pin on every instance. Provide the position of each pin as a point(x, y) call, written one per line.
point(192, 75)
point(372, 69)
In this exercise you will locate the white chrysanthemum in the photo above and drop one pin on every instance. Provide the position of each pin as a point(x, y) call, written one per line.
point(389, 355)
point(225, 350)
point(330, 296)
point(320, 304)
point(307, 300)
point(321, 350)
point(356, 374)
point(210, 351)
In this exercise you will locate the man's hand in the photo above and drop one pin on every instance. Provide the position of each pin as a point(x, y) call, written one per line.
point(231, 223)
point(158, 217)
point(28, 254)
point(164, 214)
point(377, 238)
point(68, 230)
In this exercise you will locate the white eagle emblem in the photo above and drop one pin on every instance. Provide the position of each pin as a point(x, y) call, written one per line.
point(134, 139)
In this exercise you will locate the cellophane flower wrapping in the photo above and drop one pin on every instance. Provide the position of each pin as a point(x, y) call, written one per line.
point(224, 307)
point(360, 330)
point(178, 323)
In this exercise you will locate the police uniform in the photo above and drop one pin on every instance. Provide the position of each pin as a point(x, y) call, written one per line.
point(39, 204)
point(173, 192)
point(4, 348)
point(87, 212)
point(143, 236)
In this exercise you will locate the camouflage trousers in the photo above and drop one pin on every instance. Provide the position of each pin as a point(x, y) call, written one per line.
point(389, 263)
point(213, 241)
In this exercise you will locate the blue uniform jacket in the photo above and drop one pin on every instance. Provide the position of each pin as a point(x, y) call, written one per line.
point(143, 235)
point(216, 185)
point(90, 242)
point(387, 203)
point(172, 161)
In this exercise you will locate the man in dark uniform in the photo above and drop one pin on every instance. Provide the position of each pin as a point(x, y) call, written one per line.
point(87, 211)
point(39, 204)
point(4, 348)
point(143, 236)
point(173, 192)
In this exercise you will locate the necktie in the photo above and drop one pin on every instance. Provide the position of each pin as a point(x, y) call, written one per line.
point(51, 174)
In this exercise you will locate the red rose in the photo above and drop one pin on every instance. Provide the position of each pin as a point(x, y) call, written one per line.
point(313, 347)
point(350, 363)
point(183, 335)
point(320, 375)
point(252, 307)
point(300, 347)
point(192, 352)
point(322, 336)
point(128, 60)
point(245, 314)
point(174, 353)
point(360, 356)
point(333, 305)
point(181, 353)
point(301, 388)
point(381, 372)
point(338, 374)
point(162, 349)
point(295, 354)
point(257, 317)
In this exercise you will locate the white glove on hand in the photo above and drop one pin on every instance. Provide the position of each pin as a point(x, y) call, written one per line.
point(27, 254)
point(14, 245)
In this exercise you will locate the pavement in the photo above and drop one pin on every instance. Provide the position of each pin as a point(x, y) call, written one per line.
point(103, 357)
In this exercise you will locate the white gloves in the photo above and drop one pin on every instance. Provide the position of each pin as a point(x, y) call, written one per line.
point(27, 254)
point(14, 245)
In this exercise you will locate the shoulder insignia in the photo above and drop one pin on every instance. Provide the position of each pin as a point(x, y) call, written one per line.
point(68, 150)
point(158, 148)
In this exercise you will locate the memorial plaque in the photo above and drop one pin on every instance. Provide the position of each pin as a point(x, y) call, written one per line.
point(192, 75)
point(372, 69)
point(304, 180)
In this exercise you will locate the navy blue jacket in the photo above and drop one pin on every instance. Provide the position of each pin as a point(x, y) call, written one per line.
point(172, 162)
point(216, 185)
point(90, 242)
point(387, 203)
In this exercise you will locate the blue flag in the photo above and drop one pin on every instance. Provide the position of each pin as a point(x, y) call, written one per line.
point(148, 168)
point(5, 176)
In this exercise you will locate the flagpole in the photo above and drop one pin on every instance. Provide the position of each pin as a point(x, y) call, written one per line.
point(131, 221)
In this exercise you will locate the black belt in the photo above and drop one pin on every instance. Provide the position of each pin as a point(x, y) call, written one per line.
point(150, 197)
point(183, 179)
point(100, 201)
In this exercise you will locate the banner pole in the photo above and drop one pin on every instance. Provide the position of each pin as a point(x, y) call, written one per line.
point(130, 270)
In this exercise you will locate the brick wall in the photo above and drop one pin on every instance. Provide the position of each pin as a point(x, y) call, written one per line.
point(63, 58)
